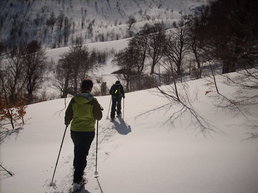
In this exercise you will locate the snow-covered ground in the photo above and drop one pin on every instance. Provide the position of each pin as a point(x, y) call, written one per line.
point(142, 153)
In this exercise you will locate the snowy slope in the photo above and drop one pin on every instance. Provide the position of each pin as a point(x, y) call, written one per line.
point(143, 153)
point(104, 72)
point(55, 54)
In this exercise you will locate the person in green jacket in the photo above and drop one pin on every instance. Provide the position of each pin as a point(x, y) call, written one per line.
point(83, 110)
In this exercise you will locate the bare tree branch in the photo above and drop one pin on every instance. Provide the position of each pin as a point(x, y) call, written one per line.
point(185, 107)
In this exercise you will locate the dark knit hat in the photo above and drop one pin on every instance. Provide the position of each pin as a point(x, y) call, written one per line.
point(86, 85)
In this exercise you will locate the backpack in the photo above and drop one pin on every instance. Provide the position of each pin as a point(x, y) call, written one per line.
point(116, 90)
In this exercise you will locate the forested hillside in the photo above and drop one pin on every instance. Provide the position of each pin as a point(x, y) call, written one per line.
point(56, 23)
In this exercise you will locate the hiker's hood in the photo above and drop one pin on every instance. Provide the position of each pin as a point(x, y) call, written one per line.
point(83, 98)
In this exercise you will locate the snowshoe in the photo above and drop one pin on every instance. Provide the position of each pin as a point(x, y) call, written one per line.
point(77, 187)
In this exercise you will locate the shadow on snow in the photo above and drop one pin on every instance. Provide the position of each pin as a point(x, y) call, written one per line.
point(121, 127)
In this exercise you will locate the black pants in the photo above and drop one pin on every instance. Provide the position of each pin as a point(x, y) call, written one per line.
point(82, 142)
point(116, 106)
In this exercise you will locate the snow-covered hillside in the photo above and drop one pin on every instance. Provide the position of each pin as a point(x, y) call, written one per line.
point(152, 149)
point(141, 153)
point(104, 72)
point(55, 23)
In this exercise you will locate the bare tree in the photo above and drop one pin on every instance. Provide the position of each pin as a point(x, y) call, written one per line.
point(63, 75)
point(73, 67)
point(35, 66)
point(156, 44)
point(131, 21)
point(5, 107)
point(139, 45)
point(184, 106)
point(12, 83)
point(132, 60)
point(10, 110)
point(229, 31)
point(195, 41)
point(126, 60)
point(13, 75)
point(176, 48)
point(246, 82)
point(67, 30)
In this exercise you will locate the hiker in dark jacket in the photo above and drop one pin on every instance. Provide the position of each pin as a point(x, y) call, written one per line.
point(83, 110)
point(117, 92)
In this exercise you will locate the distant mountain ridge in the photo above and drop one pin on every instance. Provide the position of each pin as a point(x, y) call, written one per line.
point(55, 22)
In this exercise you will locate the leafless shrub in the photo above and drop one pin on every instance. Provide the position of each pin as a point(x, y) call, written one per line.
point(245, 82)
point(184, 104)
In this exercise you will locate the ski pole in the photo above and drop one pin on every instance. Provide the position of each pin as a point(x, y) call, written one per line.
point(109, 107)
point(52, 183)
point(10, 173)
point(97, 136)
point(124, 108)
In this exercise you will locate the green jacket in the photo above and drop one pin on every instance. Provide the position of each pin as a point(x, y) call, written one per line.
point(83, 110)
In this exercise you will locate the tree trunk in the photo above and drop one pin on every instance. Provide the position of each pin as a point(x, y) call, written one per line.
point(228, 67)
